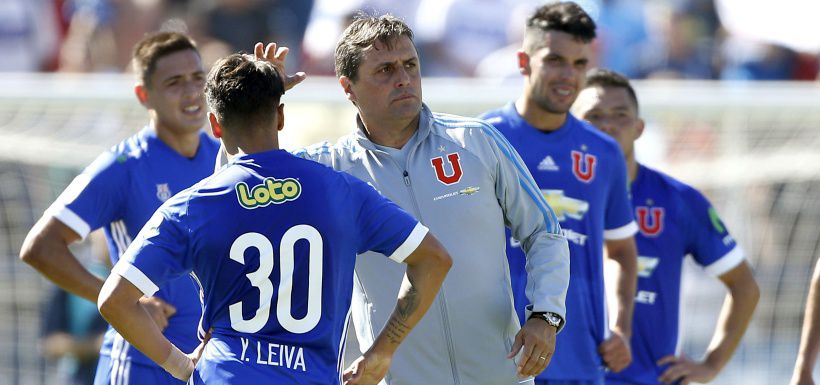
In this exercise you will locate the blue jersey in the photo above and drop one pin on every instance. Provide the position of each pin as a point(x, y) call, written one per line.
point(272, 239)
point(675, 220)
point(582, 174)
point(120, 191)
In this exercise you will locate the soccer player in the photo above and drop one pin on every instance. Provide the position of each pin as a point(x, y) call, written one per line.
point(674, 220)
point(272, 239)
point(465, 182)
point(122, 188)
point(582, 174)
point(810, 340)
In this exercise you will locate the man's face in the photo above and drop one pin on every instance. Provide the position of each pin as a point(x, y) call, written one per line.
point(176, 92)
point(613, 112)
point(389, 82)
point(555, 72)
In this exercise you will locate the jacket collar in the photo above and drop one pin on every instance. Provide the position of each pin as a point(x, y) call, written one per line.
point(425, 126)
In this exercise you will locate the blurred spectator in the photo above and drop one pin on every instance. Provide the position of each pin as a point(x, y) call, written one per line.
point(29, 35)
point(228, 26)
point(101, 32)
point(454, 35)
point(73, 332)
point(623, 37)
point(683, 47)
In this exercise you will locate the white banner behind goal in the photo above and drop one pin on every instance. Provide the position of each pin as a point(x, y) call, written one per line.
point(753, 148)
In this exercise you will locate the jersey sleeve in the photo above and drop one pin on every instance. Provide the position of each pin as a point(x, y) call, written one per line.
point(160, 252)
point(709, 241)
point(382, 225)
point(95, 197)
point(619, 222)
point(534, 223)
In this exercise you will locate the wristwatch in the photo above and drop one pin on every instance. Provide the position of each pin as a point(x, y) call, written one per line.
point(551, 318)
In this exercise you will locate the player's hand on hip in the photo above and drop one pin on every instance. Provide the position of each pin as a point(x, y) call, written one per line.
point(197, 353)
point(616, 352)
point(685, 370)
point(159, 310)
point(534, 345)
point(276, 56)
point(368, 369)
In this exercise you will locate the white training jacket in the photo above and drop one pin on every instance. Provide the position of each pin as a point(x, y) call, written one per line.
point(463, 181)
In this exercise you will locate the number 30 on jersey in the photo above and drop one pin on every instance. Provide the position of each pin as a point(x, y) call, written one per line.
point(261, 280)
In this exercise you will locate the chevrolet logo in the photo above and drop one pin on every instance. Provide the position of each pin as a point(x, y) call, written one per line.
point(564, 206)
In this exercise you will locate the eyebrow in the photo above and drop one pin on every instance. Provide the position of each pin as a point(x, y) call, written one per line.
point(175, 77)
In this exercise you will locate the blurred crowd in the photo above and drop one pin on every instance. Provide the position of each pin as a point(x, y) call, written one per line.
point(686, 39)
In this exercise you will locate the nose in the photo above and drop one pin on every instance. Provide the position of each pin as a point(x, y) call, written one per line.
point(605, 124)
point(402, 77)
point(193, 87)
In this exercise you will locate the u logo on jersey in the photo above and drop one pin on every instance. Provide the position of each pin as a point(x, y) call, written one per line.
point(438, 165)
point(650, 220)
point(583, 166)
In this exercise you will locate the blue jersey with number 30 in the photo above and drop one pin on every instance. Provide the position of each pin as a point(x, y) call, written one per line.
point(272, 240)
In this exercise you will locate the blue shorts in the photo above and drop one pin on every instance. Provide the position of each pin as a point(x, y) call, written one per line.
point(117, 372)
point(569, 382)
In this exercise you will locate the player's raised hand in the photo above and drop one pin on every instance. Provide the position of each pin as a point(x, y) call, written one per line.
point(536, 344)
point(616, 352)
point(686, 371)
point(159, 310)
point(369, 369)
point(276, 56)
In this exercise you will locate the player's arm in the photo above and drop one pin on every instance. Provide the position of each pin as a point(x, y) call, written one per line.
point(46, 250)
point(810, 337)
point(426, 268)
point(737, 311)
point(119, 305)
point(616, 351)
point(159, 253)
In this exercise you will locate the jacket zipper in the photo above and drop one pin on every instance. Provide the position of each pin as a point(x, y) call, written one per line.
point(442, 302)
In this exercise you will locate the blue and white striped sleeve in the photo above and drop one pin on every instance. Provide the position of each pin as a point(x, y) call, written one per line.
point(532, 221)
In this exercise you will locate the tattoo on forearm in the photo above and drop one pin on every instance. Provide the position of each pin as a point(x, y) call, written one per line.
point(397, 328)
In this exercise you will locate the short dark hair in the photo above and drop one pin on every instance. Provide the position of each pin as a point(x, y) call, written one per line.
point(364, 32)
point(243, 92)
point(564, 16)
point(154, 47)
point(599, 77)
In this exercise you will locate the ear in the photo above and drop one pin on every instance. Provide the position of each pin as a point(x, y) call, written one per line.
point(142, 94)
point(523, 62)
point(280, 112)
point(215, 127)
point(639, 131)
point(347, 86)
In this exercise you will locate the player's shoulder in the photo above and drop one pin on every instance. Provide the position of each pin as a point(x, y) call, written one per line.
point(594, 136)
point(671, 186)
point(500, 118)
point(469, 133)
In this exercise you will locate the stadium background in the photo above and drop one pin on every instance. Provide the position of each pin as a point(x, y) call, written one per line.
point(751, 146)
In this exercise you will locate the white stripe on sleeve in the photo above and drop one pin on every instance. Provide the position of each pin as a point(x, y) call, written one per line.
point(622, 232)
point(727, 262)
point(70, 219)
point(410, 244)
point(135, 276)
